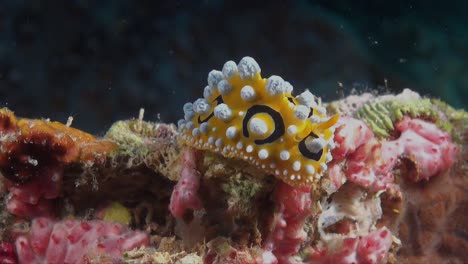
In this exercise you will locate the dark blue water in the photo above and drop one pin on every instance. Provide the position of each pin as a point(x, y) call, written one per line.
point(102, 60)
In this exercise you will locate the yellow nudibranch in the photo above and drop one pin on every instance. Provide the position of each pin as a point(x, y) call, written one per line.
point(245, 116)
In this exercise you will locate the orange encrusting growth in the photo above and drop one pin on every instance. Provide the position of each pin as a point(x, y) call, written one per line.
point(245, 116)
point(29, 144)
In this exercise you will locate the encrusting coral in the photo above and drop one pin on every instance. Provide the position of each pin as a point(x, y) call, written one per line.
point(254, 175)
point(33, 155)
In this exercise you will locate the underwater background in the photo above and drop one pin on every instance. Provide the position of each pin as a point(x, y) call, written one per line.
point(100, 61)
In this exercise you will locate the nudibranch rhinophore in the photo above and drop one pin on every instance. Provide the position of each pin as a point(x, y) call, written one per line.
point(245, 116)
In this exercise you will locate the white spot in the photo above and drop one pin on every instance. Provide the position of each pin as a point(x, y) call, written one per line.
point(200, 106)
point(219, 143)
point(181, 123)
point(229, 69)
point(296, 165)
point(263, 154)
point(196, 132)
point(241, 113)
point(32, 161)
point(310, 169)
point(301, 112)
point(315, 119)
point(239, 145)
point(316, 144)
point(248, 93)
point(214, 77)
point(284, 155)
point(258, 127)
point(277, 172)
point(285, 172)
point(188, 107)
point(324, 167)
point(231, 132)
point(292, 129)
point(224, 87)
point(204, 128)
point(298, 177)
point(189, 125)
point(214, 129)
point(188, 111)
point(306, 98)
point(223, 112)
point(275, 85)
point(249, 148)
point(321, 110)
point(263, 166)
point(293, 177)
point(207, 92)
point(200, 141)
point(329, 157)
point(55, 177)
point(248, 68)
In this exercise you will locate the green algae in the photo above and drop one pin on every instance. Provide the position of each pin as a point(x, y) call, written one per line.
point(241, 192)
point(382, 115)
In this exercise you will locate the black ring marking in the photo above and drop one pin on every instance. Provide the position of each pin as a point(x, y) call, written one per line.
point(290, 99)
point(276, 116)
point(311, 112)
point(306, 152)
point(219, 100)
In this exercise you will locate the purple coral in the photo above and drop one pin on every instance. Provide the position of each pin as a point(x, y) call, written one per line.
point(74, 241)
point(185, 193)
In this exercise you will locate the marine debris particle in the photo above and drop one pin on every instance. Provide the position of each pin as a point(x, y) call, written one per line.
point(245, 116)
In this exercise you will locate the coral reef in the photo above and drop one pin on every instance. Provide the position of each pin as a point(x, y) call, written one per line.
point(145, 193)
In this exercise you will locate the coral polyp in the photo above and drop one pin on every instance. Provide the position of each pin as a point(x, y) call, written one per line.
point(245, 116)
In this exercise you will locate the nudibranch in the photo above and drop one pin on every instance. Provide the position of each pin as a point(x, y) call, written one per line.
point(245, 116)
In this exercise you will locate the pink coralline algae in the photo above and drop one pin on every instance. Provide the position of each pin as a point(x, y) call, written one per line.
point(34, 198)
point(369, 249)
point(293, 206)
point(429, 148)
point(74, 241)
point(370, 163)
point(185, 193)
point(7, 253)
